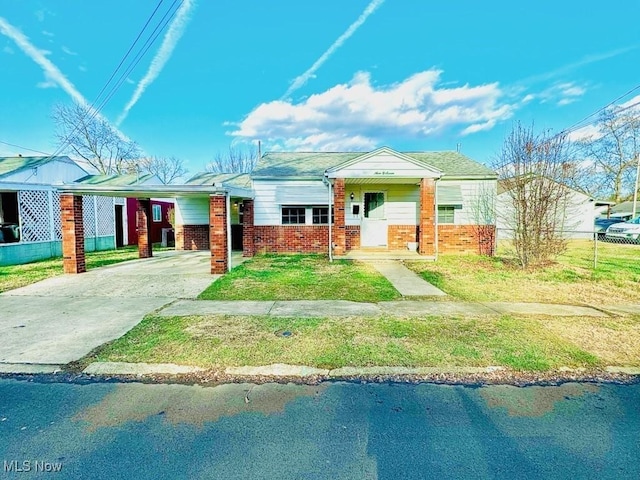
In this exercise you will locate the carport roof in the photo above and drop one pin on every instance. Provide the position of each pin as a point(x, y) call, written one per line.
point(155, 191)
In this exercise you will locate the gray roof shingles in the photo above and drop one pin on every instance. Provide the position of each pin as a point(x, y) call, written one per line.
point(314, 164)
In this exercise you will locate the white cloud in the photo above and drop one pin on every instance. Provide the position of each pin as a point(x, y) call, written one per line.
point(169, 42)
point(82, 68)
point(635, 101)
point(48, 34)
point(588, 132)
point(129, 81)
point(68, 51)
point(359, 115)
point(8, 50)
point(48, 83)
point(306, 76)
point(561, 94)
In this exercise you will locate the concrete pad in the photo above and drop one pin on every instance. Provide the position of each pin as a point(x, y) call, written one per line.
point(278, 369)
point(408, 283)
point(544, 309)
point(629, 309)
point(29, 368)
point(58, 330)
point(123, 368)
point(419, 308)
point(323, 308)
point(216, 307)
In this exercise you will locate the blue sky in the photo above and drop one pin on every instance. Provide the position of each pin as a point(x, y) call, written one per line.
point(316, 75)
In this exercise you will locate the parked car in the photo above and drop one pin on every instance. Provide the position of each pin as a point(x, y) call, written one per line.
point(625, 232)
point(601, 224)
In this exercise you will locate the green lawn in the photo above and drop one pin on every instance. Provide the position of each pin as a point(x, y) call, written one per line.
point(301, 277)
point(15, 276)
point(571, 280)
point(220, 341)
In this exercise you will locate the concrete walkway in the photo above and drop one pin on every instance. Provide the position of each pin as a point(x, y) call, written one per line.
point(408, 283)
point(63, 318)
point(343, 308)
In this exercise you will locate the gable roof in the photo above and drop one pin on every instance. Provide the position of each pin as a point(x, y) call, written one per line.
point(241, 180)
point(314, 164)
point(116, 180)
point(10, 165)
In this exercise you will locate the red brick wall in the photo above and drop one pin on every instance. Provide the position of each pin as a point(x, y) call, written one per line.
point(427, 217)
point(248, 246)
point(218, 233)
point(143, 222)
point(72, 234)
point(465, 239)
point(192, 237)
point(352, 233)
point(339, 231)
point(291, 238)
point(399, 235)
point(156, 227)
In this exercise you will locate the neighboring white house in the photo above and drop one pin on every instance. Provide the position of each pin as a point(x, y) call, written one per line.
point(577, 213)
point(30, 225)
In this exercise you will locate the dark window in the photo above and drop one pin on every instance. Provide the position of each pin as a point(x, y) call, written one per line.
point(446, 214)
point(9, 221)
point(293, 215)
point(321, 215)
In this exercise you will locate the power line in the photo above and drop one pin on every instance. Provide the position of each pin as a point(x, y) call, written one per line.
point(24, 148)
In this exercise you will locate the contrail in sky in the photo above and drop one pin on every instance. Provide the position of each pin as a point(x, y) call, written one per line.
point(302, 79)
point(169, 42)
point(51, 72)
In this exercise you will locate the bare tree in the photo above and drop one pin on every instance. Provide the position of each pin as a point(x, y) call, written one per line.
point(534, 174)
point(483, 214)
point(167, 169)
point(90, 137)
point(611, 155)
point(235, 160)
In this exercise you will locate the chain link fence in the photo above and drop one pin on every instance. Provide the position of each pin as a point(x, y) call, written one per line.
point(596, 249)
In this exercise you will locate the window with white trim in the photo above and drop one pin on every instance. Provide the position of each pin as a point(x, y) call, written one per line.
point(293, 215)
point(156, 213)
point(320, 215)
point(446, 214)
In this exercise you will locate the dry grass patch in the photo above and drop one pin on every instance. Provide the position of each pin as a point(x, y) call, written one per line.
point(571, 280)
point(616, 341)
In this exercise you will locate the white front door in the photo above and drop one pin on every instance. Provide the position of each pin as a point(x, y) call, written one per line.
point(373, 228)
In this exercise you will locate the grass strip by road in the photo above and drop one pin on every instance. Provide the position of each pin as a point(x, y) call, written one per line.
point(301, 277)
point(571, 280)
point(525, 344)
point(15, 276)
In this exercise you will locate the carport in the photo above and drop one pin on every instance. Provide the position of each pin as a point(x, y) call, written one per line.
point(219, 218)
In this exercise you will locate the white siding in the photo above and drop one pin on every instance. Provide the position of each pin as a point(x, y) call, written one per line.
point(271, 195)
point(474, 193)
point(192, 211)
point(401, 202)
point(50, 173)
point(384, 165)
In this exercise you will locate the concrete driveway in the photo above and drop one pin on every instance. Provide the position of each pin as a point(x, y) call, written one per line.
point(63, 318)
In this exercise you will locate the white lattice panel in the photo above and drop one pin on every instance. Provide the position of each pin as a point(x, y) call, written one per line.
point(106, 217)
point(57, 216)
point(89, 216)
point(34, 215)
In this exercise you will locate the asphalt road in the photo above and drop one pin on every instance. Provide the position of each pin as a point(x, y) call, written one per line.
point(333, 431)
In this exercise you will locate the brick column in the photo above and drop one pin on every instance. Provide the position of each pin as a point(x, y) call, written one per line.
point(143, 222)
point(72, 233)
point(248, 245)
point(339, 230)
point(427, 232)
point(218, 233)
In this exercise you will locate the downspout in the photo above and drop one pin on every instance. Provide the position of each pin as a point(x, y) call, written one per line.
point(435, 200)
point(330, 202)
point(227, 199)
